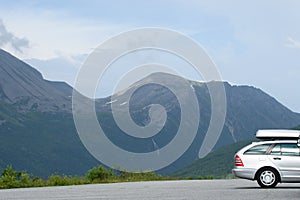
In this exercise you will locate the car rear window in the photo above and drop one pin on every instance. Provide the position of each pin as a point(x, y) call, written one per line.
point(258, 150)
point(286, 150)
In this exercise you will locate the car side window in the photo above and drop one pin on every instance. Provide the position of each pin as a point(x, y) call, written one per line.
point(276, 150)
point(258, 150)
point(289, 150)
point(286, 150)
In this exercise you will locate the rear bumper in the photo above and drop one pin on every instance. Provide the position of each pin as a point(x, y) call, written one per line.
point(246, 173)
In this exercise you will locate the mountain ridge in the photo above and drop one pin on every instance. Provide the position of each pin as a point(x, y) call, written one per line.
point(24, 86)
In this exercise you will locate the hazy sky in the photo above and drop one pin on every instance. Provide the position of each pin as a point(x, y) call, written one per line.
point(255, 42)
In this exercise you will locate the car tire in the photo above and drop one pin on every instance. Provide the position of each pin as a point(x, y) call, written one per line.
point(267, 178)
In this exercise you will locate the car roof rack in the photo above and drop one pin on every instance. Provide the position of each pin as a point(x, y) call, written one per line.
point(278, 134)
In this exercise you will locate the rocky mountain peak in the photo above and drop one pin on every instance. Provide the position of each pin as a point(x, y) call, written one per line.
point(25, 87)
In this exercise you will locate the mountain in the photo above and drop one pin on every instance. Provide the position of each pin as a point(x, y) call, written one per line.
point(38, 134)
point(248, 109)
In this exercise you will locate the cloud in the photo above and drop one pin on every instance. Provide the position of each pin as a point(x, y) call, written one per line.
point(8, 38)
point(292, 43)
point(54, 33)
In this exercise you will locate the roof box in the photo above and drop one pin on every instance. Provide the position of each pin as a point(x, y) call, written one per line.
point(278, 134)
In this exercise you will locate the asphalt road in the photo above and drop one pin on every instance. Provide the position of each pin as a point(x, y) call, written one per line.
point(202, 189)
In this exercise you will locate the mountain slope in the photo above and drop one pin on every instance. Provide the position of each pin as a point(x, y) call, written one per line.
point(218, 163)
point(43, 144)
point(25, 87)
point(252, 108)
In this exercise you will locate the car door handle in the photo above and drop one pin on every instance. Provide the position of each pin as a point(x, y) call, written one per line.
point(276, 158)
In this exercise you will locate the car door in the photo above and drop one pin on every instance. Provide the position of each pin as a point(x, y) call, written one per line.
point(286, 156)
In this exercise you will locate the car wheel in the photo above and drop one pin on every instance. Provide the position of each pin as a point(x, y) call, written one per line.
point(267, 178)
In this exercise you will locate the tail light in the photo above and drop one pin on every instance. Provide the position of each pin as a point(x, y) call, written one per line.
point(238, 161)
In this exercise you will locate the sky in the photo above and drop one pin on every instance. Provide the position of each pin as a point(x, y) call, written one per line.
point(251, 42)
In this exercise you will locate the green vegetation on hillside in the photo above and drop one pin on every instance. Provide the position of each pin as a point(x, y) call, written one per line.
point(217, 164)
point(297, 128)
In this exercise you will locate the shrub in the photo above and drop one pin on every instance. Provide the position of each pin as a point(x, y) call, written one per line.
point(10, 178)
point(138, 176)
point(25, 180)
point(10, 172)
point(99, 174)
point(209, 177)
point(38, 182)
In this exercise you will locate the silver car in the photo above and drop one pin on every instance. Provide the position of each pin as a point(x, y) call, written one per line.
point(272, 161)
